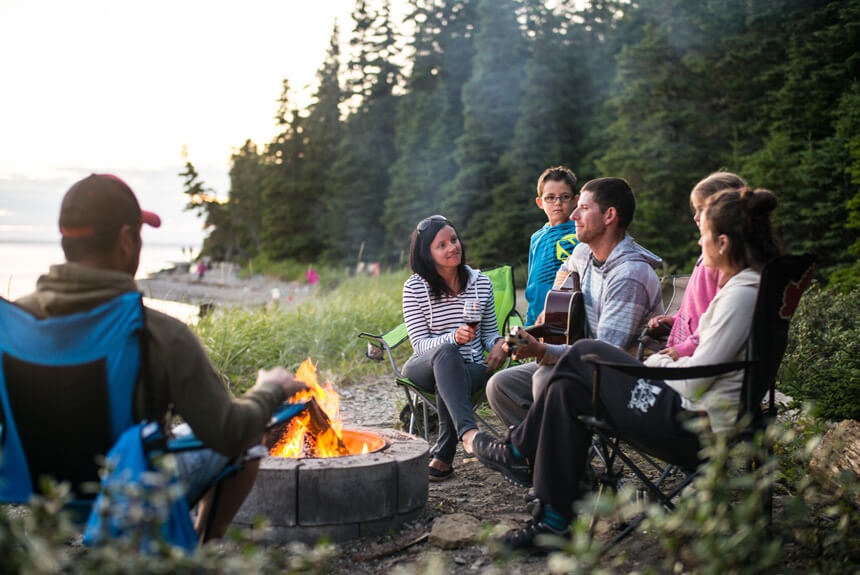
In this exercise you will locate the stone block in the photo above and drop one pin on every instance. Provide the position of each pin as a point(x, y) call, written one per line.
point(362, 489)
point(387, 524)
point(273, 495)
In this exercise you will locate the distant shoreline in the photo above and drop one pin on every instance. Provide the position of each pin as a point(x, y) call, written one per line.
point(220, 286)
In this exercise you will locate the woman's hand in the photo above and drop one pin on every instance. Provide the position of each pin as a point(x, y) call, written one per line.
point(496, 357)
point(527, 346)
point(465, 334)
point(658, 319)
point(671, 352)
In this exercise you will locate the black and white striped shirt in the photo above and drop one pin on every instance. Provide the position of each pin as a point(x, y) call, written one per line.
point(432, 322)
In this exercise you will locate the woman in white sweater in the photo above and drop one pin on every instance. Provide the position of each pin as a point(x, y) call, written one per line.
point(449, 346)
point(549, 449)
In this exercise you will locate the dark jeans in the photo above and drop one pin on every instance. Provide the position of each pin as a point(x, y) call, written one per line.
point(442, 371)
point(556, 443)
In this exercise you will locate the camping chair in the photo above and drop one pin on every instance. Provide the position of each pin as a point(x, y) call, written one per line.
point(66, 395)
point(783, 281)
point(654, 339)
point(504, 293)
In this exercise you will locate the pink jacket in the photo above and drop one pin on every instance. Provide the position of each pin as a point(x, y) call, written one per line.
point(701, 289)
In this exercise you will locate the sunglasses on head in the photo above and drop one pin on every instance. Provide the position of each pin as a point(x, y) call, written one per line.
point(425, 223)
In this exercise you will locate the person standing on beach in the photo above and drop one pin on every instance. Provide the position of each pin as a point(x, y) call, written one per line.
point(100, 224)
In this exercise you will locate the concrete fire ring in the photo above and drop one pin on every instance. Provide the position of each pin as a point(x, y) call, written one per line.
point(341, 498)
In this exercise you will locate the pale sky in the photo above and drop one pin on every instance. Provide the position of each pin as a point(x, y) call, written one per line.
point(120, 86)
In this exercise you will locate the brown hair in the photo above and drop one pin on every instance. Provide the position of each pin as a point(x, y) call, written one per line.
point(421, 260)
point(744, 217)
point(557, 174)
point(717, 182)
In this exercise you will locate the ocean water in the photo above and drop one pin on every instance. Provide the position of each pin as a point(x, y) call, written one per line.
point(21, 264)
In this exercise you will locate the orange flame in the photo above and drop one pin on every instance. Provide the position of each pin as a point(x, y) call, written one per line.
point(296, 440)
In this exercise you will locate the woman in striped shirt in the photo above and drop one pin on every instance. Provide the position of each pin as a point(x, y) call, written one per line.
point(449, 347)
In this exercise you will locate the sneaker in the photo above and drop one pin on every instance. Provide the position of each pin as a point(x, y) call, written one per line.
point(536, 536)
point(497, 455)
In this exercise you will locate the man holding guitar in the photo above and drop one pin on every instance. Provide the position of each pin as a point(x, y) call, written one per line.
point(619, 293)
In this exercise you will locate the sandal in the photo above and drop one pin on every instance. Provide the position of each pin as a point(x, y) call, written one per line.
point(439, 474)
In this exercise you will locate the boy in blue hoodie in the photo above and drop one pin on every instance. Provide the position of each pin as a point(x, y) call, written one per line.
point(554, 242)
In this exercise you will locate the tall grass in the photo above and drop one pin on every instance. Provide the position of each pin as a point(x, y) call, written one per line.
point(241, 341)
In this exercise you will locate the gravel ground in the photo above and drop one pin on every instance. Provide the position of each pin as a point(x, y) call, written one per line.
point(474, 490)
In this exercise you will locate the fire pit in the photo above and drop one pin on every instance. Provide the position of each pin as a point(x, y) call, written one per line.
point(378, 486)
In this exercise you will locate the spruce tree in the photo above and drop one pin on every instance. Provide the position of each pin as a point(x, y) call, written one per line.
point(491, 100)
point(805, 158)
point(366, 150)
point(321, 135)
point(286, 218)
point(548, 133)
point(428, 116)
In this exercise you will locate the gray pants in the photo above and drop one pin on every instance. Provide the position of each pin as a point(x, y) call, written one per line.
point(442, 371)
point(511, 392)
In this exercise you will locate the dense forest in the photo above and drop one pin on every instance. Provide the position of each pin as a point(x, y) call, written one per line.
point(458, 109)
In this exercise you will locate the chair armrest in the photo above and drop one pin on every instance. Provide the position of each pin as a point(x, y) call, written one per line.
point(283, 413)
point(648, 372)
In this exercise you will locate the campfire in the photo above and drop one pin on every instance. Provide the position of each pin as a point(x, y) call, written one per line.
point(318, 431)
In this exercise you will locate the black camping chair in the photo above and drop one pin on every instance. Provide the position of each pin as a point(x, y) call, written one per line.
point(783, 281)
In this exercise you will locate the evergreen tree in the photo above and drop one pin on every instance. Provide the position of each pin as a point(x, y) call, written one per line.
point(246, 199)
point(491, 100)
point(547, 133)
point(804, 159)
point(428, 116)
point(366, 150)
point(219, 243)
point(661, 140)
point(321, 136)
point(286, 218)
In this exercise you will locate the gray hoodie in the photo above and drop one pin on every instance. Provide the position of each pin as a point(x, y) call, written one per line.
point(620, 295)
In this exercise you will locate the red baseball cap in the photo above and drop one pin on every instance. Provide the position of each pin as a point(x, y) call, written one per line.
point(101, 204)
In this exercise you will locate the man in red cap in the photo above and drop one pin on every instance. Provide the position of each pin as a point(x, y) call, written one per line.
point(100, 223)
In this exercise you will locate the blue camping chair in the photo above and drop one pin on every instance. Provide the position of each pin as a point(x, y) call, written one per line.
point(66, 397)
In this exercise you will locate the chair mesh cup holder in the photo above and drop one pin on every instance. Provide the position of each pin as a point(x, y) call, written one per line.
point(374, 352)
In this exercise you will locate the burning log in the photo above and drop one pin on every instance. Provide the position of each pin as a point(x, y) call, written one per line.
point(316, 432)
point(320, 433)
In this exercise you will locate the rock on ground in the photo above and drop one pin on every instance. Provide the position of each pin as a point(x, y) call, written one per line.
point(454, 530)
point(838, 451)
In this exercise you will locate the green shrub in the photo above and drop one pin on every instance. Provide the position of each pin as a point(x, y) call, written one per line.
point(325, 328)
point(721, 522)
point(35, 540)
point(822, 360)
point(723, 525)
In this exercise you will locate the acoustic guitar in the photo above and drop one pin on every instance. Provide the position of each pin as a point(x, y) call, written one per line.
point(564, 315)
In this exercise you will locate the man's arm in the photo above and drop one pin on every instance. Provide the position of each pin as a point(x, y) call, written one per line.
point(626, 306)
point(182, 375)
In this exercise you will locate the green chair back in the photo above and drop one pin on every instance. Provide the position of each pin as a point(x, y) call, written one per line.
point(505, 294)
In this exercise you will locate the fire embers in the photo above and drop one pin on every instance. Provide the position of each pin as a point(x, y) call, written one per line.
point(316, 432)
point(310, 434)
